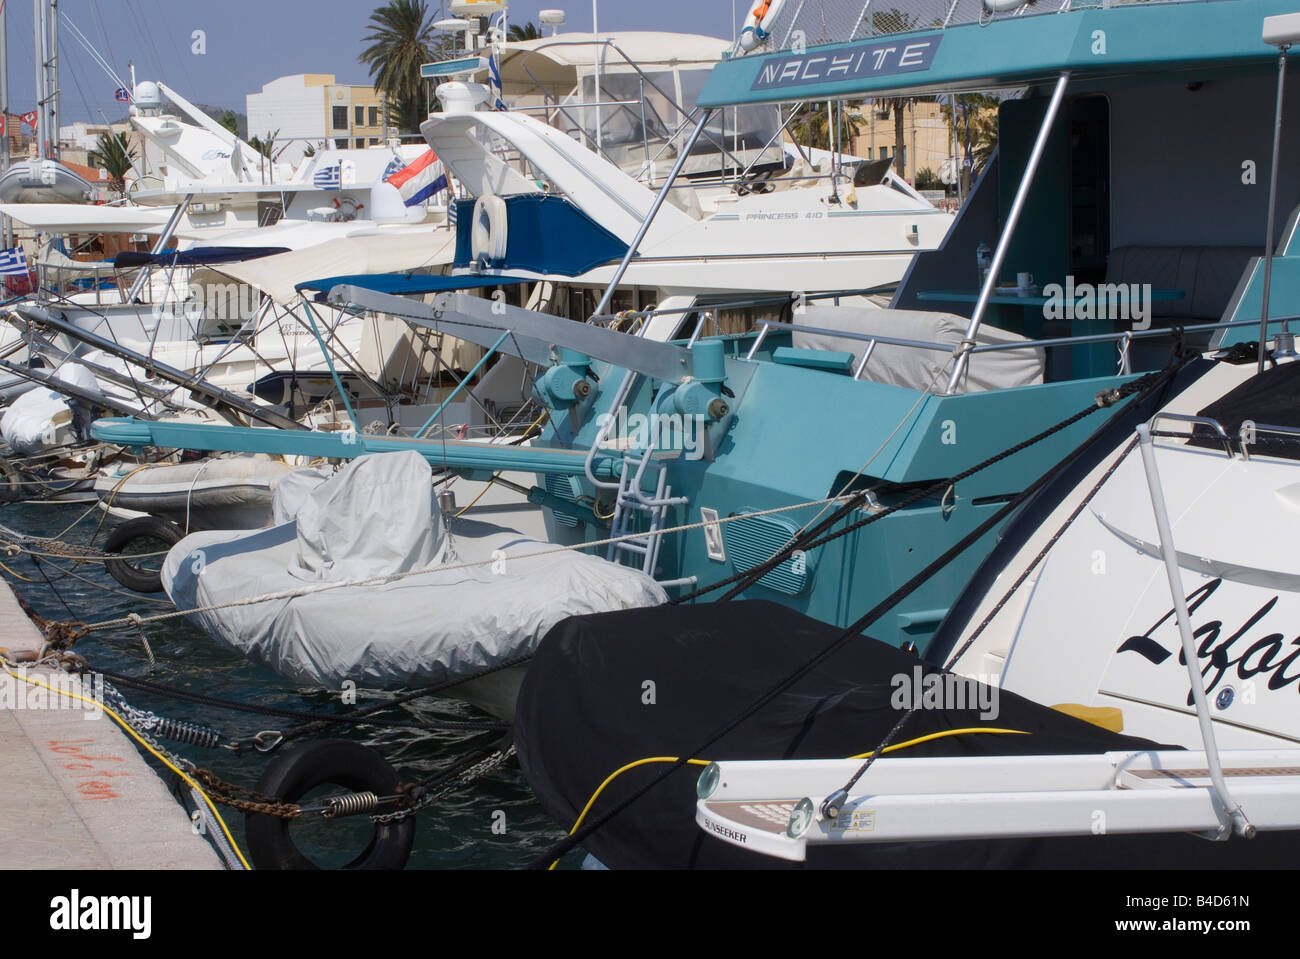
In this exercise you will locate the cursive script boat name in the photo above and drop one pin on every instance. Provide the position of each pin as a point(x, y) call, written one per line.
point(1222, 650)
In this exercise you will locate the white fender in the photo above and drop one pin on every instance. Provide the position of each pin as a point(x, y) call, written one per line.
point(488, 233)
point(759, 23)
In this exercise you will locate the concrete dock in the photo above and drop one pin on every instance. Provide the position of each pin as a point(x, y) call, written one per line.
point(75, 790)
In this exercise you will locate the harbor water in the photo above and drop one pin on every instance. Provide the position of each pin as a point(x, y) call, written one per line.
point(494, 823)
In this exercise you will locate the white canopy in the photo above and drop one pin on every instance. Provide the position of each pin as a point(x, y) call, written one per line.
point(85, 218)
point(377, 251)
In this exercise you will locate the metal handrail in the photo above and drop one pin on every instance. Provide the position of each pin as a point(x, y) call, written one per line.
point(1264, 428)
point(1203, 420)
point(671, 100)
point(1158, 332)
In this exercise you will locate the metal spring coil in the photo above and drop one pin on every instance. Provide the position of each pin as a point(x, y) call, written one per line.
point(189, 733)
point(351, 804)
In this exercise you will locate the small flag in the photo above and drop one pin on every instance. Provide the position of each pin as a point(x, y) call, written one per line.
point(29, 118)
point(2, 123)
point(329, 178)
point(395, 164)
point(420, 179)
point(494, 78)
point(13, 262)
point(122, 95)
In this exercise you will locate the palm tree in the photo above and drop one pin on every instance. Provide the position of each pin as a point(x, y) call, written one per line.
point(980, 112)
point(265, 145)
point(524, 31)
point(885, 22)
point(115, 154)
point(401, 39)
point(812, 129)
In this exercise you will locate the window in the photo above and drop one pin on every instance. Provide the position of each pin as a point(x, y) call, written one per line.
point(904, 157)
point(374, 141)
point(359, 116)
point(374, 116)
point(340, 118)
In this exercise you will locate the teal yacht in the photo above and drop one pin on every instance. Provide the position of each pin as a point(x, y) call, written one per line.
point(1131, 182)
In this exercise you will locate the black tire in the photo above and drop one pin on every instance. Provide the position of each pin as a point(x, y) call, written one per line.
point(144, 534)
point(299, 769)
point(11, 490)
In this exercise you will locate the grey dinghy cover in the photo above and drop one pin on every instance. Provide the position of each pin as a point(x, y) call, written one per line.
point(375, 518)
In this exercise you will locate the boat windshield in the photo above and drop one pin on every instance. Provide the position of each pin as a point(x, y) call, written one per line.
point(643, 122)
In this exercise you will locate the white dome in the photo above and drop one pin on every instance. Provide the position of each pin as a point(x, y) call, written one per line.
point(387, 205)
point(147, 95)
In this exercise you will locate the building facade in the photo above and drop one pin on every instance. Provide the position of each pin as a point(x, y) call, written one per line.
point(311, 110)
point(927, 138)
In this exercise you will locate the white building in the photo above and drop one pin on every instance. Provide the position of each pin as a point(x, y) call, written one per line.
point(310, 109)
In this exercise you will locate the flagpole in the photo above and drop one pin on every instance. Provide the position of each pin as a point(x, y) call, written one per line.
point(5, 231)
point(595, 37)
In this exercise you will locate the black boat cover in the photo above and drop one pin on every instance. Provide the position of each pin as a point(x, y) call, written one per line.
point(1272, 398)
point(609, 689)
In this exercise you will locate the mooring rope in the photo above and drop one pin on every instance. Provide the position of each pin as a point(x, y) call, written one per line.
point(134, 620)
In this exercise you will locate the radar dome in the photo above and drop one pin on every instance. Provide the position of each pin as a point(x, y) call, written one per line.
point(147, 95)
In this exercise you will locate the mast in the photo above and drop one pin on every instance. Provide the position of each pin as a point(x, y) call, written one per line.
point(4, 112)
point(45, 32)
point(38, 38)
point(52, 17)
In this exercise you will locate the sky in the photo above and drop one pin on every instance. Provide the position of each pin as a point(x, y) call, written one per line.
point(251, 42)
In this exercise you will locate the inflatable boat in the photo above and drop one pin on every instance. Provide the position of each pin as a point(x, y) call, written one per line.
point(369, 585)
point(44, 181)
point(228, 492)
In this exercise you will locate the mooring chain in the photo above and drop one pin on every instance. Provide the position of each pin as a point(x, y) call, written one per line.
point(422, 795)
point(245, 800)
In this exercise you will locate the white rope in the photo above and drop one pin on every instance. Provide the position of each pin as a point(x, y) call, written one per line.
point(135, 620)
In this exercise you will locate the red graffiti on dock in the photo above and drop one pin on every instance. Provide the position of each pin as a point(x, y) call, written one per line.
point(91, 772)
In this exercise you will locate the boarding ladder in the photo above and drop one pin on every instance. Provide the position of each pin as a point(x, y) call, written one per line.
point(631, 546)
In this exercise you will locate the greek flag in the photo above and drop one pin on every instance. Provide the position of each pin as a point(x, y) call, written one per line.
point(13, 263)
point(494, 78)
point(330, 178)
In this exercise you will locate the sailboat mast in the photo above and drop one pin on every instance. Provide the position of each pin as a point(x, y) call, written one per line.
point(4, 111)
point(38, 31)
point(46, 34)
point(52, 69)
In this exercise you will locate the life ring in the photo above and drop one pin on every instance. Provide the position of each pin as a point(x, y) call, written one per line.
point(759, 23)
point(144, 534)
point(299, 769)
point(346, 209)
point(488, 235)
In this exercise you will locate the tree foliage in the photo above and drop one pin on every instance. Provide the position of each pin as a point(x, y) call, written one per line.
point(115, 154)
point(524, 31)
point(812, 127)
point(401, 40)
point(977, 119)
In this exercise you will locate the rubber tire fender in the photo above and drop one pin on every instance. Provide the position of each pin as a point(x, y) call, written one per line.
point(299, 768)
point(123, 535)
point(11, 479)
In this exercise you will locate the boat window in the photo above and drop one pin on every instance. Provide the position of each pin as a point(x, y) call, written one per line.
point(639, 127)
